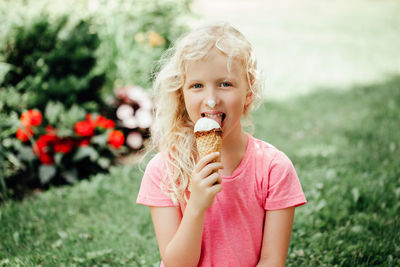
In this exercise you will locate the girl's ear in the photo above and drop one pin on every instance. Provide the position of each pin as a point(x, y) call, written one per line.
point(249, 95)
point(249, 98)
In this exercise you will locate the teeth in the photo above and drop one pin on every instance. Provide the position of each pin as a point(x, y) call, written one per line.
point(213, 116)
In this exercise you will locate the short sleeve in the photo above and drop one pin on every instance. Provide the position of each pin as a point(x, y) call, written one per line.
point(283, 188)
point(150, 193)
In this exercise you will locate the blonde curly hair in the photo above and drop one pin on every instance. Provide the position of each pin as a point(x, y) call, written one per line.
point(172, 132)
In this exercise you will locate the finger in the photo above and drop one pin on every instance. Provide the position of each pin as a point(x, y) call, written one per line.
point(215, 189)
point(205, 160)
point(219, 179)
point(212, 179)
point(210, 168)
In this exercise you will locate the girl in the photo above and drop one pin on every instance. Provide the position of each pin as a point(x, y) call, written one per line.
point(237, 212)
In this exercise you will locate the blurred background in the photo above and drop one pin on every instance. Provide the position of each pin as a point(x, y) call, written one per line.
point(76, 110)
point(305, 45)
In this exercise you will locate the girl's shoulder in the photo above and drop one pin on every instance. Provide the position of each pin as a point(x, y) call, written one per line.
point(156, 163)
point(151, 188)
point(261, 146)
point(267, 152)
point(157, 158)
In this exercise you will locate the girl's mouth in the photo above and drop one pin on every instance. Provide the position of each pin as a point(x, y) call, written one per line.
point(219, 117)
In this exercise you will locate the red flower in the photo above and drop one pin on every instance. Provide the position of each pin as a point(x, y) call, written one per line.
point(100, 121)
point(84, 128)
point(51, 131)
point(46, 159)
point(84, 142)
point(90, 119)
point(104, 123)
point(49, 138)
point(39, 147)
point(24, 133)
point(31, 117)
point(116, 139)
point(63, 145)
point(43, 148)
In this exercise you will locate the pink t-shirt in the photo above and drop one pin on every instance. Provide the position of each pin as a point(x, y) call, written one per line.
point(233, 227)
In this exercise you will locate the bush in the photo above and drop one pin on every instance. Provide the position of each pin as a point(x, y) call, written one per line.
point(42, 155)
point(134, 34)
point(65, 67)
point(49, 61)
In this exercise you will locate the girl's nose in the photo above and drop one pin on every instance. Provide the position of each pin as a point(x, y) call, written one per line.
point(211, 103)
point(211, 99)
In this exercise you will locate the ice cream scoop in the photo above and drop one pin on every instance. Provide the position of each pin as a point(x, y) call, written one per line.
point(206, 124)
point(208, 137)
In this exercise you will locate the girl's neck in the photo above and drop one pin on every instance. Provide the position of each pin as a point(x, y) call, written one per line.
point(234, 143)
point(233, 150)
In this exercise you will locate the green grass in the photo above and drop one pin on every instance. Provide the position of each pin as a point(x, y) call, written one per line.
point(345, 146)
point(95, 222)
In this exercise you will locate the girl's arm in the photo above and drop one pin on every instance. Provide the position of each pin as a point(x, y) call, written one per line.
point(179, 238)
point(277, 230)
point(179, 241)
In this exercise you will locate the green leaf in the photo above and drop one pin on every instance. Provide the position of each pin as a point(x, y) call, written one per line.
point(74, 114)
point(86, 151)
point(70, 176)
point(7, 142)
point(16, 237)
point(58, 158)
point(26, 153)
point(14, 160)
point(64, 132)
point(104, 162)
point(101, 139)
point(10, 97)
point(356, 194)
point(53, 111)
point(46, 173)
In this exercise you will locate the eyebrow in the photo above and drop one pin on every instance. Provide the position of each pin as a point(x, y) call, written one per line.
point(192, 81)
point(229, 78)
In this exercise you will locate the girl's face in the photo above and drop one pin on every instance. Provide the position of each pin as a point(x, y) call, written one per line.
point(208, 80)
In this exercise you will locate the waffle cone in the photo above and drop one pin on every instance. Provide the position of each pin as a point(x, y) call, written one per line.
point(208, 142)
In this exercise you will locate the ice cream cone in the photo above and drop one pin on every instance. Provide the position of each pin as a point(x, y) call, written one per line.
point(208, 142)
point(208, 137)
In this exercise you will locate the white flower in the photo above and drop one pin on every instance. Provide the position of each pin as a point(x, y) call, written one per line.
point(147, 105)
point(144, 118)
point(134, 140)
point(137, 94)
point(124, 112)
point(130, 123)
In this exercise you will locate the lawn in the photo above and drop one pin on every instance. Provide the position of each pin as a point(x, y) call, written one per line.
point(345, 146)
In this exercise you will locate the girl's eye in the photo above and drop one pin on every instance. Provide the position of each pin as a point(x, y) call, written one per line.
point(197, 85)
point(226, 84)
